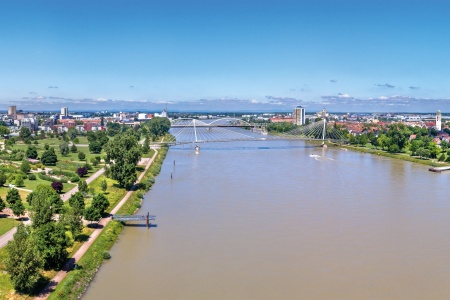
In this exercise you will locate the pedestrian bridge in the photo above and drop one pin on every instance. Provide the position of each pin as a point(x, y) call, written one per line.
point(194, 131)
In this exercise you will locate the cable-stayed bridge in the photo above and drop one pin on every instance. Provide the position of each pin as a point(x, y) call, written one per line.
point(194, 131)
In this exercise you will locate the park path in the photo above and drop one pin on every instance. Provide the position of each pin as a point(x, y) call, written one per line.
point(9, 235)
point(79, 254)
point(91, 178)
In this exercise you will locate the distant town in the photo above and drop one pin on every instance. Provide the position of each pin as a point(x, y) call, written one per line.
point(355, 123)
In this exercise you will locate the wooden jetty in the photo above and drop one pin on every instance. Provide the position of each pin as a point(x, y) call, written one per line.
point(146, 218)
point(439, 169)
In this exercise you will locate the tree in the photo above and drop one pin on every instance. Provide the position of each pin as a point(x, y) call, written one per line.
point(64, 148)
point(92, 214)
point(49, 157)
point(95, 147)
point(146, 146)
point(112, 128)
point(102, 121)
point(73, 148)
point(158, 126)
point(2, 204)
point(31, 152)
point(2, 179)
point(72, 133)
point(399, 136)
point(24, 262)
point(103, 185)
point(44, 203)
point(81, 171)
point(24, 133)
point(15, 202)
point(82, 186)
point(52, 243)
point(81, 155)
point(25, 166)
point(4, 130)
point(76, 201)
point(434, 149)
point(125, 153)
point(100, 202)
point(57, 186)
point(72, 219)
point(19, 180)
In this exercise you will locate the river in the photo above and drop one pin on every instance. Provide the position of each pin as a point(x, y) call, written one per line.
point(265, 220)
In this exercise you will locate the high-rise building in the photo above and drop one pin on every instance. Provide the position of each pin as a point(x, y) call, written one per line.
point(12, 111)
point(299, 115)
point(64, 111)
point(438, 121)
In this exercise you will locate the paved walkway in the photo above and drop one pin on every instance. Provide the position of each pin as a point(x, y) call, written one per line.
point(9, 235)
point(103, 222)
point(91, 178)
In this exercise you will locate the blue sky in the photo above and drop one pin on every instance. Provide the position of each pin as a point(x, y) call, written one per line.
point(54, 52)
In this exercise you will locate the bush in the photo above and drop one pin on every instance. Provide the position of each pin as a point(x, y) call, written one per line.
point(51, 179)
point(94, 162)
point(106, 255)
point(31, 177)
point(81, 156)
point(81, 171)
point(57, 186)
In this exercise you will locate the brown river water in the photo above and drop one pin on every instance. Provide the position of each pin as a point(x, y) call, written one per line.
point(265, 220)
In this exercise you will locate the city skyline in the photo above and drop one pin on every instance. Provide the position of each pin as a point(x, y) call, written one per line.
point(345, 55)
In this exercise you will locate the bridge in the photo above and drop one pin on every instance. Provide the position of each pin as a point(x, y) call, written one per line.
point(194, 131)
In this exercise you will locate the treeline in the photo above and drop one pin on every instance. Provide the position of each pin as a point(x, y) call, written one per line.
point(396, 138)
point(280, 127)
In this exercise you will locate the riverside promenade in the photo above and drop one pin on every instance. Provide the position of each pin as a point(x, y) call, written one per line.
point(79, 254)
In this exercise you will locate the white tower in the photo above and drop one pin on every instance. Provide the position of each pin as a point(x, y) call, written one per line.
point(299, 115)
point(438, 121)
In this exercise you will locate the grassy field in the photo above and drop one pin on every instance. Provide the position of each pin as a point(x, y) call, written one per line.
point(4, 191)
point(6, 224)
point(54, 143)
point(113, 193)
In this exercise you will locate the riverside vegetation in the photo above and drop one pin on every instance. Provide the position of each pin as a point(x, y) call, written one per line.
point(40, 250)
point(410, 143)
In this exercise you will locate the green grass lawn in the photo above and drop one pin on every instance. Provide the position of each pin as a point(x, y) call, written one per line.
point(113, 193)
point(6, 224)
point(149, 154)
point(4, 190)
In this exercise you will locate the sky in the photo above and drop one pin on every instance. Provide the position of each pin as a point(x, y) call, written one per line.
point(238, 55)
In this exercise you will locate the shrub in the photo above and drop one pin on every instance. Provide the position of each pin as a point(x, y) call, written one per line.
point(81, 171)
point(106, 255)
point(31, 177)
point(57, 186)
point(81, 156)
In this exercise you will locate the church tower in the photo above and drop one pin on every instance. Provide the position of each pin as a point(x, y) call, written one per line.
point(438, 120)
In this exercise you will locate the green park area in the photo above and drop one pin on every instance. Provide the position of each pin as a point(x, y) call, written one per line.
point(36, 172)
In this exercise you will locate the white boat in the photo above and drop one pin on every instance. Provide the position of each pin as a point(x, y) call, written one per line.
point(314, 155)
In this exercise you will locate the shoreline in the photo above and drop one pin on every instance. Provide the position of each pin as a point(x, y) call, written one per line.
point(399, 156)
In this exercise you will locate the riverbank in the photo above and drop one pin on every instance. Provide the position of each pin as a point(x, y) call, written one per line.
point(76, 282)
point(400, 156)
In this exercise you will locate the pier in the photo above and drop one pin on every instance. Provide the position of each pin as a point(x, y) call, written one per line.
point(146, 218)
point(439, 169)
